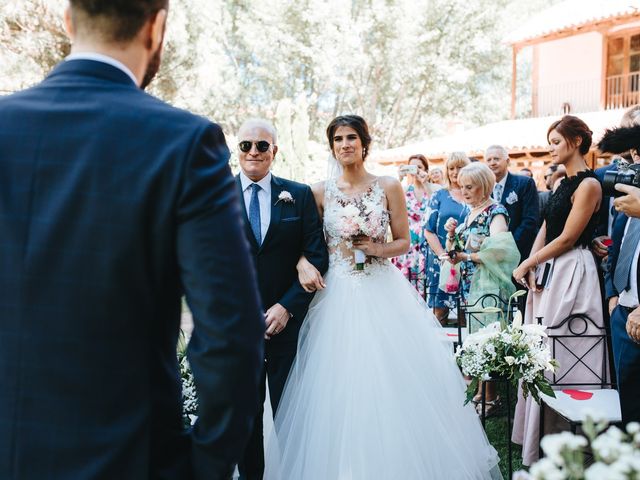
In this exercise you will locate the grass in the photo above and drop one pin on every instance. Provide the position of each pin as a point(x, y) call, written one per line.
point(496, 428)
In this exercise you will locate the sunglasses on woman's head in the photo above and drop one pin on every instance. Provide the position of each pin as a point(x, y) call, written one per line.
point(246, 145)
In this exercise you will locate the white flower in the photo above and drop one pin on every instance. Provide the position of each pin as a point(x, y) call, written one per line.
point(600, 471)
point(517, 319)
point(633, 428)
point(285, 197)
point(510, 360)
point(545, 469)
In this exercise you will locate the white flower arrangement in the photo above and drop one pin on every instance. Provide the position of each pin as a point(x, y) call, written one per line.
point(189, 394)
point(285, 197)
point(515, 352)
point(616, 454)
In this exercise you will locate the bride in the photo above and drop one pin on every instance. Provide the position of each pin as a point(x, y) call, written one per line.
point(374, 393)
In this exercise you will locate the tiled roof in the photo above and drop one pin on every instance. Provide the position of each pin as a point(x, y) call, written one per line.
point(572, 14)
point(523, 134)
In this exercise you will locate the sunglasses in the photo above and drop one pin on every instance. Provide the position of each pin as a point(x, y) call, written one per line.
point(246, 145)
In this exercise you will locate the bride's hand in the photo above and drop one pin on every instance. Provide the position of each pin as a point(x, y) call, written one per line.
point(367, 245)
point(309, 276)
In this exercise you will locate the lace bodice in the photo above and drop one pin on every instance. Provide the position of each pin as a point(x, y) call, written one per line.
point(348, 215)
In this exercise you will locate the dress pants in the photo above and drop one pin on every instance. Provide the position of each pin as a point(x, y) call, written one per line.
point(626, 358)
point(276, 367)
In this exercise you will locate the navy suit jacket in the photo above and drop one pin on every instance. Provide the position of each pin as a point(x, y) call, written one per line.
point(295, 229)
point(617, 234)
point(112, 204)
point(520, 197)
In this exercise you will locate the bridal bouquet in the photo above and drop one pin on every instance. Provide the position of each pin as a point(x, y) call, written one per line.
point(515, 352)
point(364, 218)
point(189, 395)
point(616, 454)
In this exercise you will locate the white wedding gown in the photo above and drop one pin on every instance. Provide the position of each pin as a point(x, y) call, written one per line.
point(374, 393)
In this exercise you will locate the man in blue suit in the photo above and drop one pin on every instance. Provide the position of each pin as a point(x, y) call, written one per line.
point(519, 195)
point(112, 205)
point(282, 225)
point(622, 278)
point(622, 298)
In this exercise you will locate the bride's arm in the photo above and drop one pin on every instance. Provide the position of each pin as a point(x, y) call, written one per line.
point(308, 275)
point(399, 224)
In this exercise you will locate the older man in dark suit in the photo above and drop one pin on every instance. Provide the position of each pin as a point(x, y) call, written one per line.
point(112, 205)
point(520, 197)
point(282, 225)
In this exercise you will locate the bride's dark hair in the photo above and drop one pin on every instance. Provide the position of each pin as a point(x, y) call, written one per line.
point(357, 123)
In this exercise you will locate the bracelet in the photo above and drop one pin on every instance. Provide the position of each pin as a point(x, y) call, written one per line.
point(451, 237)
point(469, 257)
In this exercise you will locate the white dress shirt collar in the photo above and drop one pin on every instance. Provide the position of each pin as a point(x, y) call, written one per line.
point(99, 57)
point(503, 182)
point(265, 183)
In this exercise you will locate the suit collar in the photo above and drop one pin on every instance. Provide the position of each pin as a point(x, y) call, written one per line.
point(92, 68)
point(98, 57)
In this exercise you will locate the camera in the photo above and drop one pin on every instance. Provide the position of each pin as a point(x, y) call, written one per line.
point(627, 174)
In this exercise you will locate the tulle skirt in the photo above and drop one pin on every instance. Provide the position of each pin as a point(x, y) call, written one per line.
point(374, 393)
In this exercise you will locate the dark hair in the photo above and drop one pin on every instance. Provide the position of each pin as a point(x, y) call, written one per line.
point(572, 128)
point(421, 158)
point(357, 123)
point(116, 20)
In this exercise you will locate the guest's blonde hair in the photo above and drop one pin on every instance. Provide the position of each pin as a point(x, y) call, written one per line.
point(478, 174)
point(455, 159)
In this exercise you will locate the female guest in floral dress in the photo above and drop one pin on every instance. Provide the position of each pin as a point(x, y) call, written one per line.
point(570, 219)
point(489, 252)
point(445, 204)
point(418, 193)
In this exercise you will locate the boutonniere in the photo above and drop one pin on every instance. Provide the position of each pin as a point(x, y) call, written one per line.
point(512, 198)
point(285, 197)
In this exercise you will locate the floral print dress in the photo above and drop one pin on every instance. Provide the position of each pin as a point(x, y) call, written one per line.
point(413, 263)
point(472, 235)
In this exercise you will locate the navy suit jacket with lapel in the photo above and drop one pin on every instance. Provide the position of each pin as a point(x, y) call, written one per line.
point(112, 204)
point(294, 229)
point(520, 197)
point(617, 234)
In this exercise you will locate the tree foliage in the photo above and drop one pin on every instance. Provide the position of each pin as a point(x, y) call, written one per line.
point(407, 66)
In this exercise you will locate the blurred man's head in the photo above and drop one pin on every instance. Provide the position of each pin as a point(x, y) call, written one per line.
point(120, 23)
point(497, 159)
point(551, 169)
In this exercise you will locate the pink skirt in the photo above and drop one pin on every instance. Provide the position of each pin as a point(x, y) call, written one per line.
point(574, 288)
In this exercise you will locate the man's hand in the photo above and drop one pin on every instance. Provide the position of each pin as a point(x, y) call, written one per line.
point(628, 204)
point(633, 325)
point(276, 319)
point(598, 246)
point(613, 302)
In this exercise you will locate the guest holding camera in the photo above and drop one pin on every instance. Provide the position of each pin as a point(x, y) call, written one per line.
point(561, 249)
point(445, 204)
point(418, 193)
point(621, 276)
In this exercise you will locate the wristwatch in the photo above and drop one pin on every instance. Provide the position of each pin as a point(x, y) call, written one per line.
point(468, 257)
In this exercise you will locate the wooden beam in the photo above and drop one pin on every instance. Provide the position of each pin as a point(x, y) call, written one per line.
point(535, 80)
point(514, 73)
point(601, 25)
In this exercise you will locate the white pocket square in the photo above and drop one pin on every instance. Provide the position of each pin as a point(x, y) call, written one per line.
point(512, 198)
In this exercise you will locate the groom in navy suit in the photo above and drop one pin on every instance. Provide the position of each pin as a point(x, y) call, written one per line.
point(112, 205)
point(519, 195)
point(282, 224)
